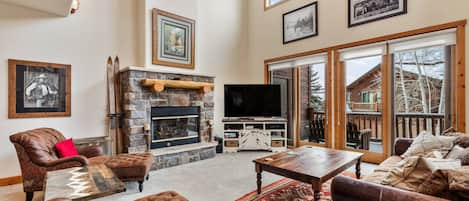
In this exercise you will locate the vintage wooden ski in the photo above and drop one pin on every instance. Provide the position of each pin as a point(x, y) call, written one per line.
point(117, 95)
point(111, 105)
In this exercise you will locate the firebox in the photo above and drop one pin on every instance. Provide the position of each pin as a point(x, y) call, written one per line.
point(172, 126)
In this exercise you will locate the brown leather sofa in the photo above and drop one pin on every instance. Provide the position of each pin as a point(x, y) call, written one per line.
point(37, 155)
point(349, 189)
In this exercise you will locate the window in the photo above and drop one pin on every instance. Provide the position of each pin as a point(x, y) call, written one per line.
point(365, 97)
point(270, 3)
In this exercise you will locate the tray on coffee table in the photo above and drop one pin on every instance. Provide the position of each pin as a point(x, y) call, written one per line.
point(82, 183)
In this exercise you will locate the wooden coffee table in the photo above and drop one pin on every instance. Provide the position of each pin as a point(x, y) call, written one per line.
point(313, 165)
point(82, 183)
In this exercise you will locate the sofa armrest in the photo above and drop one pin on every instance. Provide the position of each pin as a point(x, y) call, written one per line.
point(349, 189)
point(91, 151)
point(63, 162)
point(401, 145)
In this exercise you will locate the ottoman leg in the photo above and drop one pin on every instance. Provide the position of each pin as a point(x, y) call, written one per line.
point(140, 186)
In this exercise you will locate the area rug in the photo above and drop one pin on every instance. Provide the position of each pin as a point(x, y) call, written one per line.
point(290, 190)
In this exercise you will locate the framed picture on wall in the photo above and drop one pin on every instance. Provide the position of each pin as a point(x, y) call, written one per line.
point(365, 11)
point(38, 89)
point(173, 40)
point(300, 23)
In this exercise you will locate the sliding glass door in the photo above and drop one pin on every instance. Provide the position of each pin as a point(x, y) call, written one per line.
point(361, 101)
point(397, 89)
point(304, 98)
point(313, 105)
point(424, 88)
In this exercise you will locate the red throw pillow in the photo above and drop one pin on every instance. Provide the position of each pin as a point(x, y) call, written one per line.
point(66, 148)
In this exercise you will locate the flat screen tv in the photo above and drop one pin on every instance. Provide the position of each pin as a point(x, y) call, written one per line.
point(252, 101)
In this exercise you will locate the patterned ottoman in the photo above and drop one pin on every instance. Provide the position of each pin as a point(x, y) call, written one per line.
point(164, 196)
point(131, 167)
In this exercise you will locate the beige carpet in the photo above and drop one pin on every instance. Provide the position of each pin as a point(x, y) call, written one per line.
point(224, 178)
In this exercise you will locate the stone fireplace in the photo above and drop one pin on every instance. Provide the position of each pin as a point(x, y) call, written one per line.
point(178, 117)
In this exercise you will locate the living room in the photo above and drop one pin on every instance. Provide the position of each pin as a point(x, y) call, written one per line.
point(234, 100)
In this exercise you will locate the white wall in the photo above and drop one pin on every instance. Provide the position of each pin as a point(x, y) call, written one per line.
point(221, 41)
point(112, 27)
point(265, 28)
point(85, 40)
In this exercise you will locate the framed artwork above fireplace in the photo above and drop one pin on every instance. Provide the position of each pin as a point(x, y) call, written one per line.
point(173, 40)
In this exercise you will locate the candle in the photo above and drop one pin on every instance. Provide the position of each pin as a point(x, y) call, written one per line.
point(146, 127)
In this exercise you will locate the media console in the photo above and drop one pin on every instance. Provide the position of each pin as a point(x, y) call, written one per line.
point(269, 134)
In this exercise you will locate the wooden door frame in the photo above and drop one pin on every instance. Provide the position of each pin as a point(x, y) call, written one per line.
point(290, 102)
point(341, 114)
point(296, 91)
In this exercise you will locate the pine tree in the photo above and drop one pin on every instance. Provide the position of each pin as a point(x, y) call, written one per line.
point(316, 101)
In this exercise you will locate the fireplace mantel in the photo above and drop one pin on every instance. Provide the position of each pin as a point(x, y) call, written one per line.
point(157, 86)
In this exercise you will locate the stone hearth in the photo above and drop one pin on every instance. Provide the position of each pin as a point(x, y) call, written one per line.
point(137, 102)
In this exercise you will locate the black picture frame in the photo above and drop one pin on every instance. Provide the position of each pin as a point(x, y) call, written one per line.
point(352, 24)
point(316, 29)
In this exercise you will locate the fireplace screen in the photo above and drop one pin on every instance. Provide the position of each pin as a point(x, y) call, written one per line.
point(175, 126)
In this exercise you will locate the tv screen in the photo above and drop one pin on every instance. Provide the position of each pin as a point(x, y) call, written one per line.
point(252, 101)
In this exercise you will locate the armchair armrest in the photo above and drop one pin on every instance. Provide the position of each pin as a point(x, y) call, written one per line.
point(365, 191)
point(91, 151)
point(401, 145)
point(78, 160)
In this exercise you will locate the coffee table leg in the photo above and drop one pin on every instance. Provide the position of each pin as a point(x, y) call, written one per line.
point(317, 192)
point(357, 168)
point(259, 178)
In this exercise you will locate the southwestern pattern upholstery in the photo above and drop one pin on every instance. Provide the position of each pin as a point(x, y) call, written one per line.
point(131, 167)
point(37, 155)
point(164, 196)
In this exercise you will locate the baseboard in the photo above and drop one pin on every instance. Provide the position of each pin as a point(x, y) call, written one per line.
point(10, 181)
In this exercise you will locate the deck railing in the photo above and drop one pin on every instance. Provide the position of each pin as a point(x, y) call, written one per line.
point(406, 125)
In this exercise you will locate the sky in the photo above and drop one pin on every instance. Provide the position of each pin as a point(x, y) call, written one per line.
point(354, 69)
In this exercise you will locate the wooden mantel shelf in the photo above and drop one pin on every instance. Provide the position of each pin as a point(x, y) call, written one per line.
point(158, 86)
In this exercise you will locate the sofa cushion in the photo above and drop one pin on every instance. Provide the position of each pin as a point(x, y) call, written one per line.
point(462, 138)
point(425, 143)
point(66, 148)
point(459, 153)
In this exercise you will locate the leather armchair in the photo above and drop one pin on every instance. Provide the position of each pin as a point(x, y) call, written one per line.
point(37, 155)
